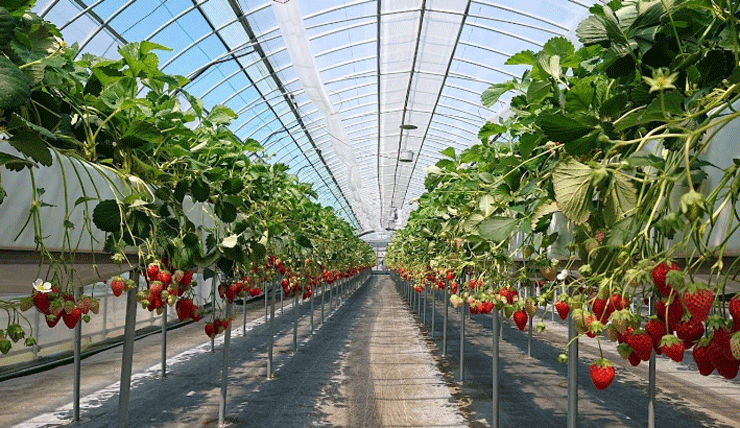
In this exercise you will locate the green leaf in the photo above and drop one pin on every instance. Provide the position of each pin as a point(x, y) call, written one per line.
point(83, 199)
point(613, 107)
point(15, 88)
point(449, 152)
point(559, 46)
point(221, 115)
point(489, 130)
point(252, 145)
point(107, 216)
point(139, 133)
point(13, 163)
point(494, 92)
point(487, 205)
point(232, 186)
point(538, 90)
point(580, 97)
point(304, 242)
point(522, 58)
point(543, 210)
point(114, 96)
point(497, 229)
point(621, 199)
point(200, 190)
point(30, 144)
point(486, 177)
point(527, 143)
point(230, 241)
point(572, 185)
point(559, 127)
point(181, 189)
point(225, 211)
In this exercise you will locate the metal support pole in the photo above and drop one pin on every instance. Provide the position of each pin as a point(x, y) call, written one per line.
point(462, 342)
point(282, 298)
point(651, 381)
point(311, 298)
point(495, 372)
point(322, 303)
point(164, 341)
point(295, 322)
point(213, 309)
point(264, 293)
point(77, 368)
point(225, 369)
point(434, 305)
point(244, 316)
point(531, 319)
point(424, 318)
point(272, 331)
point(331, 297)
point(444, 327)
point(572, 375)
point(128, 355)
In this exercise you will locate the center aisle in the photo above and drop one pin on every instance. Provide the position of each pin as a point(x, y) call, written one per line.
point(367, 367)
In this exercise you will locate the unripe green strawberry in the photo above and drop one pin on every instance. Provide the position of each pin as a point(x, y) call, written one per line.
point(621, 320)
point(83, 304)
point(56, 307)
point(579, 317)
point(591, 245)
point(692, 205)
point(69, 306)
point(585, 270)
point(612, 333)
point(624, 351)
point(5, 346)
point(735, 345)
point(15, 332)
point(531, 307)
point(94, 305)
point(26, 303)
point(130, 284)
point(675, 279)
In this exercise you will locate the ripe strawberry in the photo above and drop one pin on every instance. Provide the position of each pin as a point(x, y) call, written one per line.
point(72, 318)
point(489, 307)
point(642, 343)
point(734, 307)
point(701, 357)
point(562, 307)
point(673, 311)
point(531, 307)
point(698, 300)
point(155, 289)
point(721, 342)
point(165, 277)
point(735, 345)
point(41, 301)
point(726, 367)
point(152, 271)
point(84, 304)
point(602, 373)
point(520, 318)
point(94, 305)
point(117, 285)
point(599, 309)
point(594, 327)
point(672, 347)
point(656, 329)
point(453, 287)
point(634, 359)
point(52, 320)
point(659, 273)
point(450, 275)
point(689, 331)
point(210, 330)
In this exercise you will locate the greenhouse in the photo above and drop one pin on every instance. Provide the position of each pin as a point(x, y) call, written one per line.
point(370, 213)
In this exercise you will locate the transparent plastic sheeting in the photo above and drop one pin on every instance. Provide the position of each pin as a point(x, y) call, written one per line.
point(66, 183)
point(327, 87)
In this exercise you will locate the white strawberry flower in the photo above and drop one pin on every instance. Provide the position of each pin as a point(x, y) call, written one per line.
point(563, 275)
point(42, 286)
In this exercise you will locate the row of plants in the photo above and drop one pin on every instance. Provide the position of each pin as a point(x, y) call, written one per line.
point(184, 193)
point(597, 188)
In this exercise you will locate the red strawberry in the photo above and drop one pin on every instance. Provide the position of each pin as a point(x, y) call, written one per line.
point(672, 347)
point(453, 287)
point(450, 275)
point(117, 285)
point(84, 304)
point(155, 290)
point(659, 273)
point(520, 318)
point(562, 307)
point(642, 343)
point(673, 311)
point(602, 373)
point(52, 320)
point(721, 339)
point(184, 308)
point(152, 271)
point(489, 307)
point(41, 301)
point(701, 358)
point(634, 359)
point(72, 318)
point(656, 329)
point(690, 331)
point(210, 330)
point(726, 367)
point(165, 277)
point(698, 300)
point(599, 309)
point(734, 307)
point(187, 278)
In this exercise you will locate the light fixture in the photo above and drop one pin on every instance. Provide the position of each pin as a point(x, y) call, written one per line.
point(408, 126)
point(406, 156)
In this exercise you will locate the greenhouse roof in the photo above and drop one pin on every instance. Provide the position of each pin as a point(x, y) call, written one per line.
point(358, 97)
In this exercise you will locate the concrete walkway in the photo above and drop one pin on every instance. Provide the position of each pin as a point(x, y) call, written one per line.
point(366, 366)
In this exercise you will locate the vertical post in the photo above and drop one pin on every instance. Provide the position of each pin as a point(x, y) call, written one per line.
point(213, 308)
point(164, 341)
point(651, 380)
point(282, 298)
point(36, 322)
point(495, 372)
point(295, 322)
point(105, 312)
point(77, 369)
point(264, 294)
point(322, 303)
point(225, 369)
point(244, 315)
point(128, 354)
point(272, 330)
point(572, 375)
point(444, 327)
point(331, 296)
point(462, 342)
point(311, 297)
point(531, 320)
point(426, 291)
point(434, 305)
